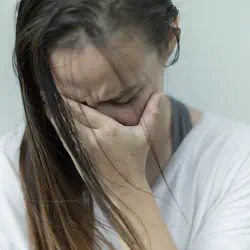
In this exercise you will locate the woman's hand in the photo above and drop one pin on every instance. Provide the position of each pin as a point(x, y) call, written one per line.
point(119, 152)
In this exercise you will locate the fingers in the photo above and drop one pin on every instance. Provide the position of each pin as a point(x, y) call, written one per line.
point(87, 135)
point(86, 115)
point(150, 114)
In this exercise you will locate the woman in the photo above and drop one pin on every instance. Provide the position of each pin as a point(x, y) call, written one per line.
point(105, 159)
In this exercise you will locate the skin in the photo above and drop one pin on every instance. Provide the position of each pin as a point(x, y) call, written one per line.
point(129, 154)
point(85, 76)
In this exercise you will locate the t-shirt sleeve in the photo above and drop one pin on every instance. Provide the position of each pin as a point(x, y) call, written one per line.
point(226, 225)
point(5, 244)
point(9, 205)
point(13, 232)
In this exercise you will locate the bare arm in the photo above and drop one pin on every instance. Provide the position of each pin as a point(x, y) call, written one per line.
point(147, 210)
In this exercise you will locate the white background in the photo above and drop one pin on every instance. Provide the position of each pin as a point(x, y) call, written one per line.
point(213, 73)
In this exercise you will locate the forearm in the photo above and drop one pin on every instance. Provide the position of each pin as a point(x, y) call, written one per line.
point(156, 236)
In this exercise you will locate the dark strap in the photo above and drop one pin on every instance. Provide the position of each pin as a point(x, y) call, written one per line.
point(181, 123)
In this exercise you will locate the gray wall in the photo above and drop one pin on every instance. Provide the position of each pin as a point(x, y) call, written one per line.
point(212, 74)
point(10, 103)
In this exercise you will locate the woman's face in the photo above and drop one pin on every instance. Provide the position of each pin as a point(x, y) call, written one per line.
point(85, 75)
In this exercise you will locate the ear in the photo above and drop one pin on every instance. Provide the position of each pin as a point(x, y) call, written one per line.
point(172, 40)
point(176, 22)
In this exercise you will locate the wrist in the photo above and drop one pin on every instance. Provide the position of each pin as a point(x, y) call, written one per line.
point(133, 195)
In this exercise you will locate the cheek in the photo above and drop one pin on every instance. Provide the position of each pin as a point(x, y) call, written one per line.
point(130, 114)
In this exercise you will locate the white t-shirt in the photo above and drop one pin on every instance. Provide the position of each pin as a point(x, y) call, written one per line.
point(207, 204)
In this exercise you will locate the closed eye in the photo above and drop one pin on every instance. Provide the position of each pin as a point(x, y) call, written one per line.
point(130, 98)
point(123, 103)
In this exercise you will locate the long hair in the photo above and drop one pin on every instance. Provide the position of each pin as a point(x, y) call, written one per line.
point(58, 196)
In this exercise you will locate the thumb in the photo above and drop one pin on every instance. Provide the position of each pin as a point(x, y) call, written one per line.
point(151, 113)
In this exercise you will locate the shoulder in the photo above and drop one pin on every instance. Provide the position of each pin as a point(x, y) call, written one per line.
point(212, 162)
point(220, 169)
point(9, 158)
point(217, 136)
point(219, 148)
point(10, 142)
point(9, 154)
point(214, 155)
point(12, 210)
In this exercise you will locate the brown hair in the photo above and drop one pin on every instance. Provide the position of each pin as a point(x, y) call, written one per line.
point(58, 197)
